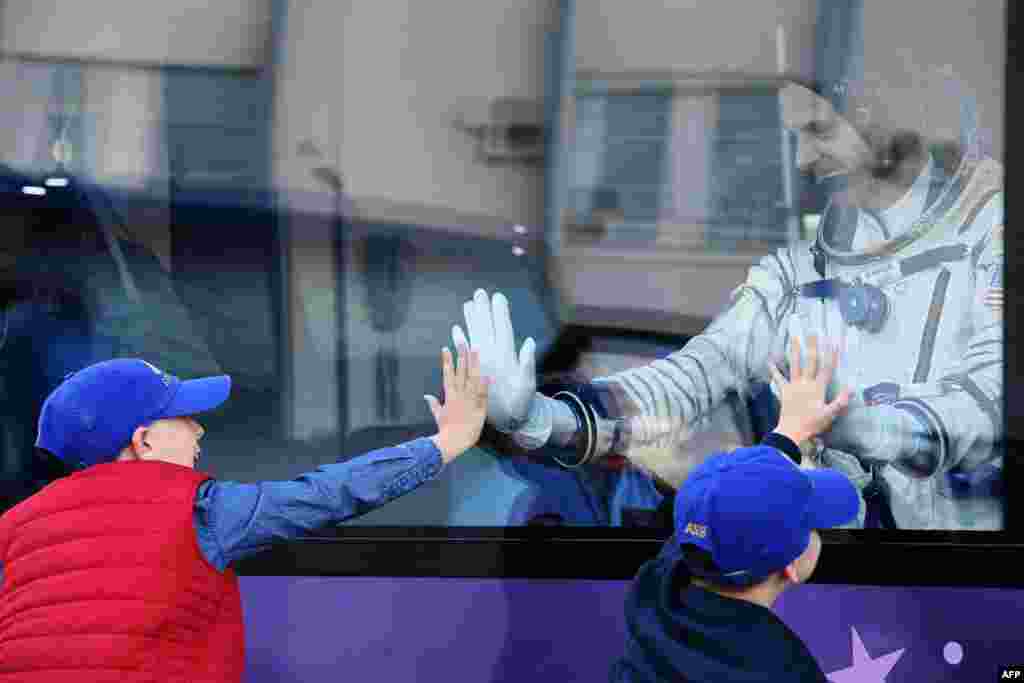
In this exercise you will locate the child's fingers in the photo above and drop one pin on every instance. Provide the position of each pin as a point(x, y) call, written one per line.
point(465, 365)
point(447, 373)
point(811, 371)
point(481, 395)
point(794, 358)
point(458, 336)
point(473, 369)
point(476, 383)
point(840, 404)
point(830, 365)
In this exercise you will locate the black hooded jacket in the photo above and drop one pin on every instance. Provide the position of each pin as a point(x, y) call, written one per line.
point(677, 631)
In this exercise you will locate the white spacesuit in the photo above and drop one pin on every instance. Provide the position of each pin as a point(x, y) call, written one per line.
point(919, 341)
point(908, 291)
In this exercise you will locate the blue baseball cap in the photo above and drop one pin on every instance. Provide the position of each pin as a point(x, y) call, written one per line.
point(753, 511)
point(93, 413)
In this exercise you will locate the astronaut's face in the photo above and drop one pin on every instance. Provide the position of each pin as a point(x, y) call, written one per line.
point(827, 145)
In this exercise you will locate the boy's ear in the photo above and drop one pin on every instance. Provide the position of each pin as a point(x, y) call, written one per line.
point(138, 442)
point(790, 573)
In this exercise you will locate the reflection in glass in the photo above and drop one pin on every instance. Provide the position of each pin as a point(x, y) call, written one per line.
point(318, 242)
point(900, 265)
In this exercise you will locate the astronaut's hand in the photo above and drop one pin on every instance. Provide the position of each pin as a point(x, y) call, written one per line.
point(858, 476)
point(881, 433)
point(513, 381)
point(847, 464)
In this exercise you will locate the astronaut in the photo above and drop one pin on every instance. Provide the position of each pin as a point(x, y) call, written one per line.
point(904, 275)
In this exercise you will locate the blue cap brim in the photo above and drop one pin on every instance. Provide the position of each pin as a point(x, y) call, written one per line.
point(834, 500)
point(196, 396)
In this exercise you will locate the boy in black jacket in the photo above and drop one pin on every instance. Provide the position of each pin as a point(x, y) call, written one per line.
point(745, 529)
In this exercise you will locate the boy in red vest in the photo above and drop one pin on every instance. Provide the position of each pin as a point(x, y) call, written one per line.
point(120, 571)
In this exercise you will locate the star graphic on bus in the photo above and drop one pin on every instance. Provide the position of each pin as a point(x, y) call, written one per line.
point(865, 669)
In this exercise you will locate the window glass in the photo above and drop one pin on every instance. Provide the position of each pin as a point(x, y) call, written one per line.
point(665, 196)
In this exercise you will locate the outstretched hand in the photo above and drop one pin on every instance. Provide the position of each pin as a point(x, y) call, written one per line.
point(461, 418)
point(805, 413)
point(513, 380)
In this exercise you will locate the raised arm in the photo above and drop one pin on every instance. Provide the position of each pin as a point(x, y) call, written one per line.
point(638, 412)
point(234, 520)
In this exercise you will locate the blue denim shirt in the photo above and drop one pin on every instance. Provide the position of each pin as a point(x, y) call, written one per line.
point(235, 520)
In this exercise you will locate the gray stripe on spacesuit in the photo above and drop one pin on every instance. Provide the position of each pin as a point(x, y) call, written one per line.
point(987, 405)
point(714, 346)
point(633, 395)
point(912, 265)
point(931, 328)
point(655, 368)
point(761, 297)
point(704, 376)
point(792, 264)
point(680, 387)
point(722, 354)
point(689, 376)
point(787, 304)
point(979, 368)
point(694, 403)
point(987, 342)
point(685, 372)
point(653, 407)
point(787, 280)
point(979, 249)
point(657, 405)
point(992, 333)
point(877, 217)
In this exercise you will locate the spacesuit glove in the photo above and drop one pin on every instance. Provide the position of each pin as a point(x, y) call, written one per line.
point(855, 472)
point(883, 434)
point(511, 404)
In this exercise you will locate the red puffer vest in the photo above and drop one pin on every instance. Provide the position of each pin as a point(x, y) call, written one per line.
point(104, 581)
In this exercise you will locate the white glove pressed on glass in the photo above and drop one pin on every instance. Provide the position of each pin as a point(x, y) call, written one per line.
point(513, 404)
